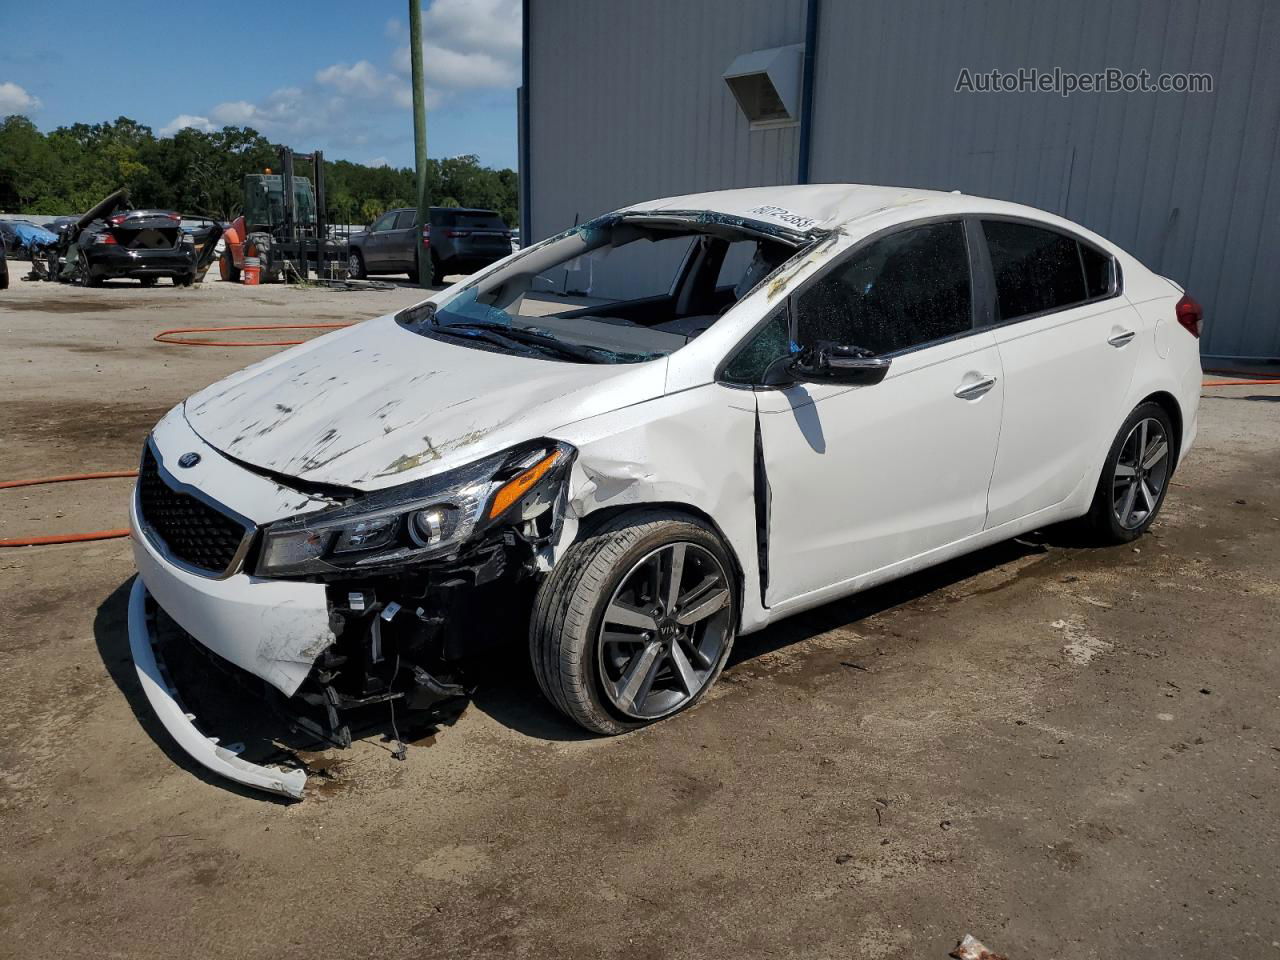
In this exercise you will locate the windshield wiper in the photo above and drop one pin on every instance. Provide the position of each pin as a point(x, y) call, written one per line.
point(529, 338)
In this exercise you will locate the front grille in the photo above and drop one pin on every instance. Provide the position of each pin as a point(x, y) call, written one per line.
point(193, 531)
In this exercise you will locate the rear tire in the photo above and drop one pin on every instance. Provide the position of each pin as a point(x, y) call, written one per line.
point(355, 266)
point(1135, 477)
point(605, 572)
point(148, 281)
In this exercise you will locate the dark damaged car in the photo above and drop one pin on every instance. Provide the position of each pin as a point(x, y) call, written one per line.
point(112, 242)
point(142, 245)
point(620, 448)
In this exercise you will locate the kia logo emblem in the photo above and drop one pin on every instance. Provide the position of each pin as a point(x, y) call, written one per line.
point(189, 459)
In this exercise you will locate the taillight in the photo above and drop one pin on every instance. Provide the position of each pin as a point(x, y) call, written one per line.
point(104, 238)
point(118, 219)
point(1190, 314)
point(457, 233)
point(174, 216)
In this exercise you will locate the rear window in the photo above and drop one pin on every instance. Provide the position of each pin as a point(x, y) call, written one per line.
point(472, 220)
point(1038, 270)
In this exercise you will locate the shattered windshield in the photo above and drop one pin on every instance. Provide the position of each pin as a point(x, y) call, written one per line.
point(621, 289)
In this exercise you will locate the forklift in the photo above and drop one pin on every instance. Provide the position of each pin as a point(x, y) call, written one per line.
point(283, 225)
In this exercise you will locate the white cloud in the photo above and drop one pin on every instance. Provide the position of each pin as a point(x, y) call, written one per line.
point(14, 99)
point(468, 44)
point(361, 79)
point(184, 120)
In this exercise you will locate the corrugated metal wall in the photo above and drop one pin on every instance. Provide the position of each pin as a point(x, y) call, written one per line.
point(1189, 183)
point(627, 103)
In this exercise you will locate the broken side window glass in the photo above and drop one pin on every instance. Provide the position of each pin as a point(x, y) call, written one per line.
point(906, 289)
point(771, 342)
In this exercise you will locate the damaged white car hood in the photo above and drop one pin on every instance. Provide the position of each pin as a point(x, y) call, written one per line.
point(377, 405)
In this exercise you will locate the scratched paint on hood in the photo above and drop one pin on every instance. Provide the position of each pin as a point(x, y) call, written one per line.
point(376, 405)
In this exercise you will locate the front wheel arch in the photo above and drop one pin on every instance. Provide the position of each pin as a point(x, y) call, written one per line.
point(598, 518)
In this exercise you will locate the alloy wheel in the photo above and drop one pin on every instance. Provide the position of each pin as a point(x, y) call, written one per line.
point(664, 631)
point(1141, 472)
point(353, 265)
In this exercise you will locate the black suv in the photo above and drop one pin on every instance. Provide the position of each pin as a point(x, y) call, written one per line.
point(458, 240)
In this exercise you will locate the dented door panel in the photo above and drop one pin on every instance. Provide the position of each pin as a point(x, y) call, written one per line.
point(861, 478)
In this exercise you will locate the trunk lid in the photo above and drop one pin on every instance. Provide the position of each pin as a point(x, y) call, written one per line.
point(146, 229)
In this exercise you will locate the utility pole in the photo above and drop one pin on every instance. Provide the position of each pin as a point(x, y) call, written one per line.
point(420, 138)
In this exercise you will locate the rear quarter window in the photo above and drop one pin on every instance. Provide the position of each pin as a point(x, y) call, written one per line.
point(1039, 270)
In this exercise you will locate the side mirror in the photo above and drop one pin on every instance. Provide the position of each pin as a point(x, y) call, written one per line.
point(827, 362)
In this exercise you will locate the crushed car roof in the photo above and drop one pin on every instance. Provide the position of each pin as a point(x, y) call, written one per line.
point(829, 206)
point(810, 207)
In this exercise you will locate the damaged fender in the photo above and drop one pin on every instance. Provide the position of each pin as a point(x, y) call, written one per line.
point(704, 439)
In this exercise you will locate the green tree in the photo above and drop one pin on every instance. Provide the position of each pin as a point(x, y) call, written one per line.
point(72, 167)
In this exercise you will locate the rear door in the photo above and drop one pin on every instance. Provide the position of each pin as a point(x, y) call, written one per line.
point(1067, 345)
point(402, 240)
point(862, 478)
point(377, 247)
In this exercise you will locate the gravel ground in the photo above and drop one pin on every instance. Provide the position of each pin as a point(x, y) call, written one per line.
point(1069, 753)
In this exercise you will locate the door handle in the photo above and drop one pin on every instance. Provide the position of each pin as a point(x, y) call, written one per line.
point(968, 391)
point(1121, 338)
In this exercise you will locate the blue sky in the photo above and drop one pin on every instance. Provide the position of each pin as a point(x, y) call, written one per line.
point(335, 76)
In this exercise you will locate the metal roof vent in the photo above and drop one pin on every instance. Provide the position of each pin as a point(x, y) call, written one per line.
point(766, 84)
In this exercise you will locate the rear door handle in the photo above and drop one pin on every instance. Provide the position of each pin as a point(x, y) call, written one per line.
point(968, 391)
point(1121, 338)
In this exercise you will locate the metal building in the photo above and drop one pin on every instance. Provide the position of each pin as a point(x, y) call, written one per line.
point(624, 101)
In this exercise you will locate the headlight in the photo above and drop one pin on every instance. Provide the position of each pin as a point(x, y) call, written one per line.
point(420, 520)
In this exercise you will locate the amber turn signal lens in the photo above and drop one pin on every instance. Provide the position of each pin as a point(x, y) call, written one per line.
point(522, 483)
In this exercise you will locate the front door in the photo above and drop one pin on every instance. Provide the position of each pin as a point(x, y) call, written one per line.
point(863, 478)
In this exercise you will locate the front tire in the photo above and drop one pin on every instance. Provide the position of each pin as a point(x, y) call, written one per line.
point(1135, 477)
point(636, 621)
point(227, 268)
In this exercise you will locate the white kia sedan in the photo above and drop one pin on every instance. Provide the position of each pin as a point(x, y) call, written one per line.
point(632, 442)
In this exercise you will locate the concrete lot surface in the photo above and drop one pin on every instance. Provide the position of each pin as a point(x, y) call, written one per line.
point(1067, 752)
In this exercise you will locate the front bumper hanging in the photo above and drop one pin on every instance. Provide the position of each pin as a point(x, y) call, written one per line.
point(180, 724)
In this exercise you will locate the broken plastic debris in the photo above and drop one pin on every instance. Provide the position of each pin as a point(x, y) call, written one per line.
point(971, 949)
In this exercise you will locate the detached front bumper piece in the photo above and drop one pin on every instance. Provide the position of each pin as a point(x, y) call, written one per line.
point(181, 725)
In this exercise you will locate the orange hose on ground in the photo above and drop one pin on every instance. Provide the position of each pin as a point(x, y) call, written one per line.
point(1267, 381)
point(67, 478)
point(167, 336)
point(67, 537)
